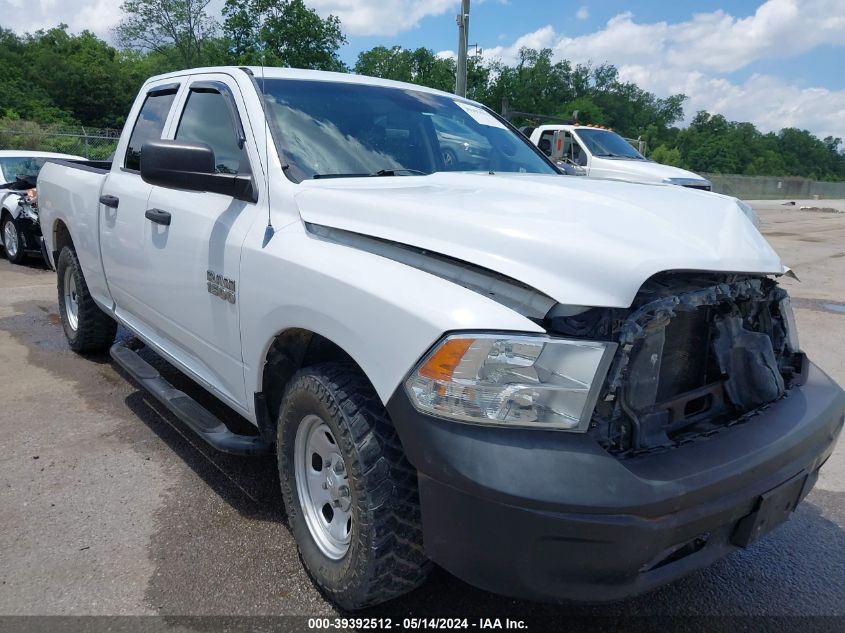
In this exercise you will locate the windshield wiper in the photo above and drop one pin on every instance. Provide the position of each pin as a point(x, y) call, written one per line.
point(613, 155)
point(322, 176)
point(381, 172)
point(400, 170)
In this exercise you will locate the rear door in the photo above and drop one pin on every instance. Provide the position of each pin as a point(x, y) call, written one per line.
point(122, 220)
point(194, 261)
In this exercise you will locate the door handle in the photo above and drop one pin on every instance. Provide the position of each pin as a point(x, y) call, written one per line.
point(158, 216)
point(110, 201)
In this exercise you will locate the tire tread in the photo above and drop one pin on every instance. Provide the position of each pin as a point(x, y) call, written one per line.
point(97, 330)
point(396, 562)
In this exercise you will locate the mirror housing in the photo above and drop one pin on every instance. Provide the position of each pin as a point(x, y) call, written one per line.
point(191, 166)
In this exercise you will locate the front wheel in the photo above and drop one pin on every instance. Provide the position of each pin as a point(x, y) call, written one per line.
point(13, 242)
point(350, 493)
point(87, 328)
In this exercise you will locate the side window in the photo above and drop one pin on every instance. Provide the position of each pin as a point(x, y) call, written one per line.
point(207, 119)
point(149, 125)
point(578, 155)
point(546, 140)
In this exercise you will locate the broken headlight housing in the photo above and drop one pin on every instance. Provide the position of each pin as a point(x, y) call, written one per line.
point(525, 381)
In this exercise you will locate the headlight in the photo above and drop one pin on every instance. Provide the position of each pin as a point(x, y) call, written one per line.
point(511, 380)
point(749, 212)
point(698, 183)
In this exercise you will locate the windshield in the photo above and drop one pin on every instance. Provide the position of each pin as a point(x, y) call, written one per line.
point(606, 143)
point(335, 129)
point(11, 168)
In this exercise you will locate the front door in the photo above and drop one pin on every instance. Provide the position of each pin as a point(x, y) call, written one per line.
point(193, 242)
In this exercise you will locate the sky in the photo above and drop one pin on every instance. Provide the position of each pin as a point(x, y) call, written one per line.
point(776, 63)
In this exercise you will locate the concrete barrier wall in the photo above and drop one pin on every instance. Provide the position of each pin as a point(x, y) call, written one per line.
point(774, 188)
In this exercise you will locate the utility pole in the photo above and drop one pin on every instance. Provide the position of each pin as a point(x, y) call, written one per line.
point(463, 45)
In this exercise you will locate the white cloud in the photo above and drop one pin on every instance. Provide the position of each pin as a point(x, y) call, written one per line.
point(98, 16)
point(583, 13)
point(692, 57)
point(381, 17)
point(544, 37)
point(358, 17)
point(769, 102)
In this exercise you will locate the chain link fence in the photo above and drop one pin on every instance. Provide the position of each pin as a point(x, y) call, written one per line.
point(93, 144)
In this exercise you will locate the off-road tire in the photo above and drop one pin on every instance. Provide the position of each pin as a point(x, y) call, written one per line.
point(385, 558)
point(20, 255)
point(95, 329)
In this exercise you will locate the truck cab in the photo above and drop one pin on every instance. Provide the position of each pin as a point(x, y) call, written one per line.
point(599, 152)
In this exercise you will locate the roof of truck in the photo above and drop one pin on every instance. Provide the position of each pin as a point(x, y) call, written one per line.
point(274, 72)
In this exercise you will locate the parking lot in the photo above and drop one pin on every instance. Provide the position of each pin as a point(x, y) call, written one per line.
point(110, 506)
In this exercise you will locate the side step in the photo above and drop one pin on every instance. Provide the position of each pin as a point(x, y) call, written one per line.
point(188, 410)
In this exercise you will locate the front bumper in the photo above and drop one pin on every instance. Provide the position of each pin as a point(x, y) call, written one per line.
point(30, 231)
point(552, 516)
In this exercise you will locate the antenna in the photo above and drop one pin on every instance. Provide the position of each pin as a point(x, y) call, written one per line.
point(269, 230)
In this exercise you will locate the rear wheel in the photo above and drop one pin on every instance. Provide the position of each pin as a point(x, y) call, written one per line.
point(13, 242)
point(350, 493)
point(87, 328)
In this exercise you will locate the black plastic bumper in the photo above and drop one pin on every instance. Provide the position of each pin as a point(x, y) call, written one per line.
point(30, 231)
point(552, 516)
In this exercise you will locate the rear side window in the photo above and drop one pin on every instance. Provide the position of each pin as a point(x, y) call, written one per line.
point(207, 119)
point(150, 124)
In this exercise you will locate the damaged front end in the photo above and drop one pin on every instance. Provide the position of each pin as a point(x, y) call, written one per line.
point(697, 353)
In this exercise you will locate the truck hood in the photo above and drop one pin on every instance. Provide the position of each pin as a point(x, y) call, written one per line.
point(578, 240)
point(640, 170)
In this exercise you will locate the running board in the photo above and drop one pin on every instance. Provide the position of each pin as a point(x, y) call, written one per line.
point(188, 410)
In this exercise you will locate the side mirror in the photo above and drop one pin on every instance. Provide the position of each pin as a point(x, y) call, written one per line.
point(190, 166)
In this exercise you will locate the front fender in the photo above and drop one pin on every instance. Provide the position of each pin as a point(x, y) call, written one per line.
point(384, 314)
point(10, 203)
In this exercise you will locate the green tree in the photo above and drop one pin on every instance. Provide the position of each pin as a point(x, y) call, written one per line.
point(159, 25)
point(420, 66)
point(282, 33)
point(82, 74)
point(666, 155)
point(588, 111)
point(534, 84)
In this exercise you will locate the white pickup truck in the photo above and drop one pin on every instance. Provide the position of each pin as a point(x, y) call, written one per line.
point(588, 150)
point(559, 402)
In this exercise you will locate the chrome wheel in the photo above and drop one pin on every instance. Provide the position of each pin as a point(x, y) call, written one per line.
point(322, 484)
point(71, 299)
point(10, 239)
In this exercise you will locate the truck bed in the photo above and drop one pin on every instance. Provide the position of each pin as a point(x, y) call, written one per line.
point(96, 166)
point(71, 190)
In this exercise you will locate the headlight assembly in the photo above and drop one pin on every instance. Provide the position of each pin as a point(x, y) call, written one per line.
point(698, 183)
point(511, 380)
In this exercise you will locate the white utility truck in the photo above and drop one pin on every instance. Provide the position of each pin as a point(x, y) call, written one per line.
point(573, 401)
point(589, 150)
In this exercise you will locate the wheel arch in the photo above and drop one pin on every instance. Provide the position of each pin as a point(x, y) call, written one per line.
point(290, 350)
point(61, 236)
